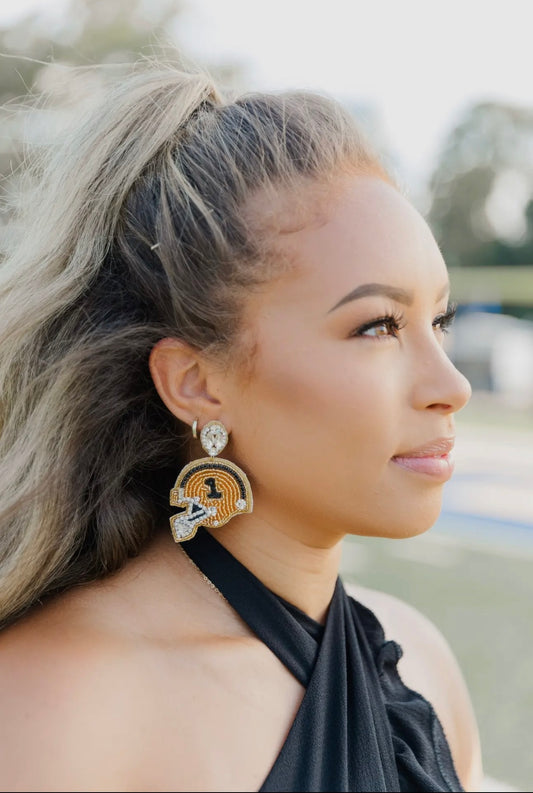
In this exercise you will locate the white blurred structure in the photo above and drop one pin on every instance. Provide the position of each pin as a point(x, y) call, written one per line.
point(495, 352)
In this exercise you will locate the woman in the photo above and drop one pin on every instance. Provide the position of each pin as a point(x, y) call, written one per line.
point(249, 271)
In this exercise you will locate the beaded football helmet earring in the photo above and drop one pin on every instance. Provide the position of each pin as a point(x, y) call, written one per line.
point(210, 491)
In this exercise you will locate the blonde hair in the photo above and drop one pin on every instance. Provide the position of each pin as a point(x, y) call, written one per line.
point(135, 231)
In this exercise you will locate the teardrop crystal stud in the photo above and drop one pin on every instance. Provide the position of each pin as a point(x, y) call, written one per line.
point(213, 437)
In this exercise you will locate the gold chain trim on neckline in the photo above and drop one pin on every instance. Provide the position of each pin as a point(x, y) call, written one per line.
point(206, 579)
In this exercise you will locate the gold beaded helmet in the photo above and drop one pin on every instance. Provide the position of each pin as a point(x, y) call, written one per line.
point(210, 491)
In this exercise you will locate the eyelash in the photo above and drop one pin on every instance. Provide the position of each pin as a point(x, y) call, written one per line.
point(395, 322)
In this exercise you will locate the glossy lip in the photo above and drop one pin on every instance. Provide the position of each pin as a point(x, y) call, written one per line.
point(435, 448)
point(433, 459)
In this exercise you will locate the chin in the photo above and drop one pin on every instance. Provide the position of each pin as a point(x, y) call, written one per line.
point(404, 532)
point(404, 522)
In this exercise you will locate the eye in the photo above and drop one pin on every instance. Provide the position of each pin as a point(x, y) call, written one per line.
point(381, 328)
point(443, 322)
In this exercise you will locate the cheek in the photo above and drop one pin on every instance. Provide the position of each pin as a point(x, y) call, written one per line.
point(317, 418)
point(315, 431)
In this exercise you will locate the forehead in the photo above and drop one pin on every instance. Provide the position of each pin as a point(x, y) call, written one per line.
point(362, 230)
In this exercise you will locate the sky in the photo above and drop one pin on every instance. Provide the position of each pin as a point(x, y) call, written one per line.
point(419, 62)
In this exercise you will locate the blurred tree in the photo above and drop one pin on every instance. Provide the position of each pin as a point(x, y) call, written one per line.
point(482, 189)
point(33, 53)
point(91, 31)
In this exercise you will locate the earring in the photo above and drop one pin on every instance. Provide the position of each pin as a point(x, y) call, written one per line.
point(210, 491)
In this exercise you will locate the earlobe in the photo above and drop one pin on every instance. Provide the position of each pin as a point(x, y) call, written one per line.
point(181, 379)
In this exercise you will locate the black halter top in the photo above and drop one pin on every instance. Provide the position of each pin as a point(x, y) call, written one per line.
point(358, 728)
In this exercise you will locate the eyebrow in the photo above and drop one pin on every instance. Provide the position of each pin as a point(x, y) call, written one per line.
point(395, 293)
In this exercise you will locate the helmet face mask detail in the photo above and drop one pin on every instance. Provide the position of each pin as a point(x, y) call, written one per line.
point(210, 492)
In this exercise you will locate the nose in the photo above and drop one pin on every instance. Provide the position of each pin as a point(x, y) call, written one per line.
point(439, 385)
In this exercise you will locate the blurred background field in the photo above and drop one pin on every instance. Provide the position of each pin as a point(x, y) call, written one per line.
point(444, 90)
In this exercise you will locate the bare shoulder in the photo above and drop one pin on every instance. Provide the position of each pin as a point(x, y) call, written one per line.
point(65, 688)
point(99, 687)
point(429, 666)
point(81, 679)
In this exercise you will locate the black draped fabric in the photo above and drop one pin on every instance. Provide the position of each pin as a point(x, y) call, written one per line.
point(358, 728)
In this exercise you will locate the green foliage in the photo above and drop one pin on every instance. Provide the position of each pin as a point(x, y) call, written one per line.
point(91, 32)
point(482, 189)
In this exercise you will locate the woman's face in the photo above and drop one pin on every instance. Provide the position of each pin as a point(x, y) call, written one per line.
point(344, 424)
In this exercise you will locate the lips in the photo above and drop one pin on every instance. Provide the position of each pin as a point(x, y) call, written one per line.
point(435, 448)
point(433, 459)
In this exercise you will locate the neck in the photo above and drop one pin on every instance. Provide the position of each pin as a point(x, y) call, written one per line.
point(301, 573)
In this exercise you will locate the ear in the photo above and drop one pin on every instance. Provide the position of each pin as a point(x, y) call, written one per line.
point(184, 381)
